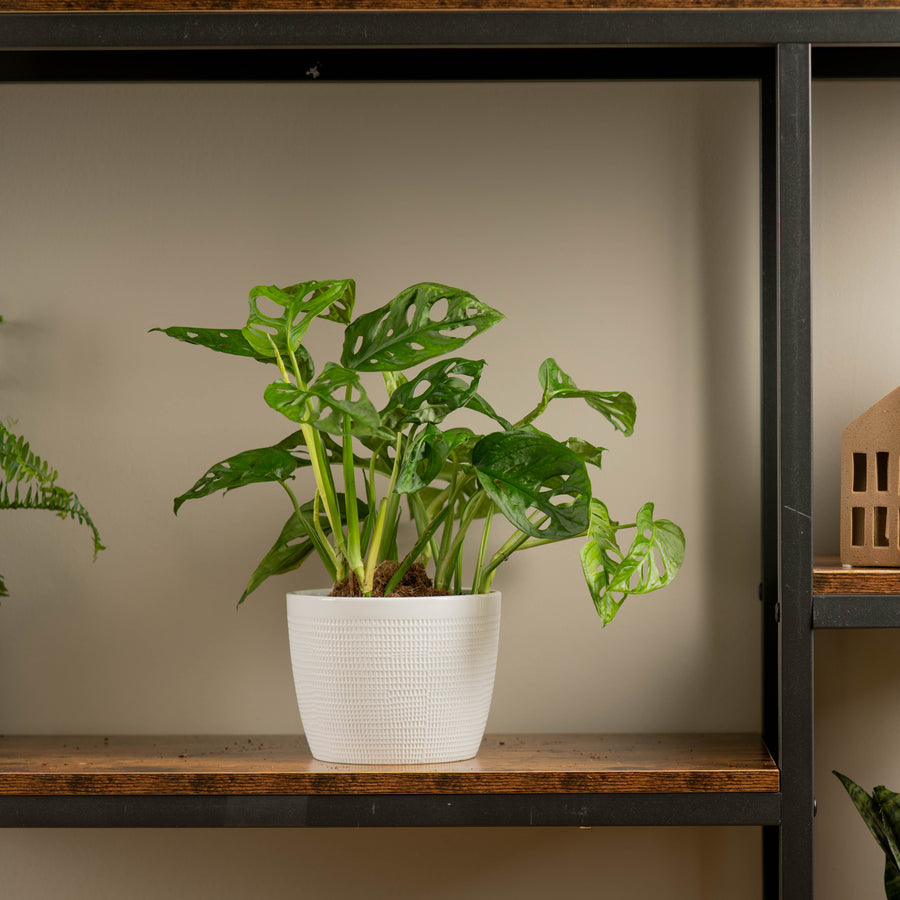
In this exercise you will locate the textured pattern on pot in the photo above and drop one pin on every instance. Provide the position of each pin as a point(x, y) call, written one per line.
point(393, 680)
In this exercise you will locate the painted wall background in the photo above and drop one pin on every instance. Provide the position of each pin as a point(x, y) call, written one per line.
point(616, 225)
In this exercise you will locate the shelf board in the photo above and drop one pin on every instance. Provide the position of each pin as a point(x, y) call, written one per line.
point(855, 597)
point(830, 577)
point(273, 780)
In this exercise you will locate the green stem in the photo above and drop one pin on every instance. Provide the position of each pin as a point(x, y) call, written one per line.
point(416, 551)
point(374, 550)
point(482, 550)
point(316, 535)
point(354, 557)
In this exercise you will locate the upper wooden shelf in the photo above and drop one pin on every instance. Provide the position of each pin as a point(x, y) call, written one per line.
point(830, 577)
point(199, 6)
point(534, 764)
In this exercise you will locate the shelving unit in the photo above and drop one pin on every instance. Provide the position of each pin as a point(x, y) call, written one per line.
point(516, 780)
point(855, 597)
point(273, 781)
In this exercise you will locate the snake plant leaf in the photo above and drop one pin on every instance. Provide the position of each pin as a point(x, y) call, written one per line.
point(424, 460)
point(325, 402)
point(404, 333)
point(889, 803)
point(526, 470)
point(869, 810)
point(232, 341)
point(617, 407)
point(301, 303)
point(249, 467)
point(881, 814)
point(434, 393)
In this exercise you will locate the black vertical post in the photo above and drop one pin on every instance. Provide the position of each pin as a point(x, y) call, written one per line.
point(771, 675)
point(794, 599)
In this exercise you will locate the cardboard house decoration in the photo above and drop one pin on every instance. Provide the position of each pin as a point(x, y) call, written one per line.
point(870, 486)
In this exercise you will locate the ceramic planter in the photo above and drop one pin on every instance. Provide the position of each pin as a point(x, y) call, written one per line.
point(393, 680)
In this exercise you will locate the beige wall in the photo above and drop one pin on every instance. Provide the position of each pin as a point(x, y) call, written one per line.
point(856, 320)
point(616, 226)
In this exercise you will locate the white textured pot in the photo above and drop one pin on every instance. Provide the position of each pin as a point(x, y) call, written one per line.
point(393, 680)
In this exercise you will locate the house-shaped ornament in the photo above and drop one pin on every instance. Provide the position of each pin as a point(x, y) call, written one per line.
point(870, 486)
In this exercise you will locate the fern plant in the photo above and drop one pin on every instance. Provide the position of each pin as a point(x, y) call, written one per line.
point(28, 482)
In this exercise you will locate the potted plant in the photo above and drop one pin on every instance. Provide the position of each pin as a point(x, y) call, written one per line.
point(881, 813)
point(28, 482)
point(367, 463)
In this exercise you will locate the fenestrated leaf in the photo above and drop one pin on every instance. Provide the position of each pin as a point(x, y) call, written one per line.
point(424, 460)
point(249, 467)
point(618, 407)
point(526, 470)
point(434, 393)
point(656, 542)
point(587, 451)
point(324, 403)
point(652, 561)
point(301, 303)
point(232, 341)
point(403, 333)
point(599, 557)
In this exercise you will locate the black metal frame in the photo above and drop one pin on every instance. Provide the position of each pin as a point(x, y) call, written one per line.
point(393, 810)
point(773, 47)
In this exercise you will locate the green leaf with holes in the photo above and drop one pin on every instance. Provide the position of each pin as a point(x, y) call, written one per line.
point(652, 561)
point(299, 304)
point(233, 342)
point(618, 407)
point(529, 475)
point(325, 402)
point(409, 331)
point(249, 467)
point(434, 393)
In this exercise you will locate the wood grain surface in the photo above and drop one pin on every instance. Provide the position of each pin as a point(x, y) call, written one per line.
point(624, 763)
point(830, 577)
point(195, 6)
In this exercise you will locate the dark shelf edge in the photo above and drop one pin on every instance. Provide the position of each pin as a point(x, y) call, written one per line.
point(856, 611)
point(379, 811)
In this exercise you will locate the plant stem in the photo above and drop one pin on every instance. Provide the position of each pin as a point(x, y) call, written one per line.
point(482, 550)
point(374, 551)
point(416, 551)
point(354, 557)
point(316, 535)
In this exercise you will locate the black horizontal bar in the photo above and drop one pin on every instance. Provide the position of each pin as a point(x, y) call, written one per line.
point(856, 611)
point(413, 64)
point(856, 62)
point(399, 810)
point(449, 27)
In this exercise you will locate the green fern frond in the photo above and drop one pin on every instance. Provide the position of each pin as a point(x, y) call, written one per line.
point(28, 482)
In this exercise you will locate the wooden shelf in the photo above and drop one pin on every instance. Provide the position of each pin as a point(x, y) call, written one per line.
point(273, 780)
point(830, 577)
point(855, 597)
